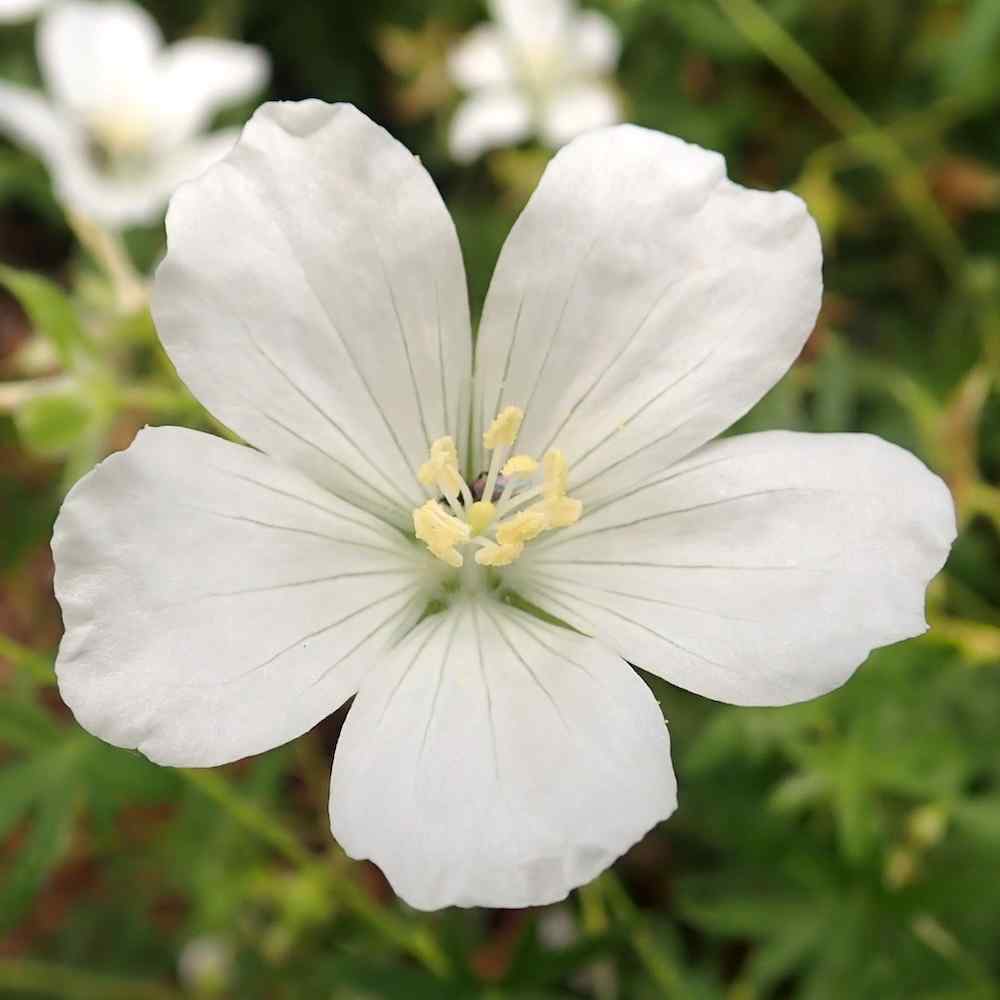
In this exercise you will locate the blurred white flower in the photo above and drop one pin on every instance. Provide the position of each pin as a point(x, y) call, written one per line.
point(541, 68)
point(205, 965)
point(122, 124)
point(220, 600)
point(21, 10)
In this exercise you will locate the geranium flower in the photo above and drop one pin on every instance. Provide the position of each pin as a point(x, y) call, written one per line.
point(540, 68)
point(21, 10)
point(476, 550)
point(122, 125)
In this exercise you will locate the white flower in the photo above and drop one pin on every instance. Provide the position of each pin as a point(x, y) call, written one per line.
point(21, 10)
point(220, 600)
point(540, 69)
point(121, 127)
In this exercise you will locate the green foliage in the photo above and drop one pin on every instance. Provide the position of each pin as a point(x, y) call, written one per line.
point(844, 849)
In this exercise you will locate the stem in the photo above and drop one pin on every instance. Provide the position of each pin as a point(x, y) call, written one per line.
point(108, 249)
point(813, 82)
point(29, 976)
point(405, 934)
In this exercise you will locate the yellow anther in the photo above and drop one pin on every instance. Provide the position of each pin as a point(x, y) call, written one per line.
point(440, 532)
point(521, 527)
point(520, 465)
point(560, 512)
point(499, 555)
point(556, 475)
point(504, 430)
point(442, 469)
point(481, 515)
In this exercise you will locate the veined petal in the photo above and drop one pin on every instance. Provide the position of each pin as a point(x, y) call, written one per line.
point(489, 120)
point(498, 761)
point(641, 304)
point(762, 570)
point(97, 56)
point(217, 604)
point(578, 108)
point(198, 77)
point(313, 298)
point(482, 59)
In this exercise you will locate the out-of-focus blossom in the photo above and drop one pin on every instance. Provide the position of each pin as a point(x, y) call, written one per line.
point(540, 68)
point(21, 10)
point(220, 600)
point(122, 124)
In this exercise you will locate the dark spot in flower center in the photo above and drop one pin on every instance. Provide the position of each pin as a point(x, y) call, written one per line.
point(479, 485)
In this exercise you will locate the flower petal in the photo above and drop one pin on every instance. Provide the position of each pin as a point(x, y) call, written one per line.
point(29, 120)
point(761, 570)
point(97, 57)
point(313, 298)
point(596, 43)
point(200, 76)
point(498, 761)
point(532, 24)
point(489, 120)
point(139, 199)
point(641, 304)
point(481, 60)
point(20, 10)
point(215, 603)
point(576, 109)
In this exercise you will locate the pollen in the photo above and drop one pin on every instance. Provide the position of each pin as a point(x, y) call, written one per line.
point(520, 498)
point(520, 465)
point(441, 532)
point(504, 430)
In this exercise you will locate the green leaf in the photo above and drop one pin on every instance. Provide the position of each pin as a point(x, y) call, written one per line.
point(51, 312)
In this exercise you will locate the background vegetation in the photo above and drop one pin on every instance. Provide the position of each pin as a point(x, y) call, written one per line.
point(841, 850)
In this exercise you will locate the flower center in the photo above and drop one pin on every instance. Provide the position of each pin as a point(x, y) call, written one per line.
point(512, 504)
point(119, 141)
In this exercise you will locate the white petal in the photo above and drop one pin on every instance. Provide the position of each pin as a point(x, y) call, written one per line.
point(576, 109)
point(489, 120)
point(760, 571)
point(20, 10)
point(198, 77)
point(641, 304)
point(596, 43)
point(99, 57)
point(215, 603)
point(31, 122)
point(139, 199)
point(498, 761)
point(481, 59)
point(313, 298)
point(533, 24)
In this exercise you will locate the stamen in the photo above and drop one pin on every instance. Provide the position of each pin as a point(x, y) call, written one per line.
point(501, 528)
point(520, 465)
point(441, 532)
point(500, 436)
point(442, 472)
point(505, 428)
point(521, 527)
point(499, 555)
